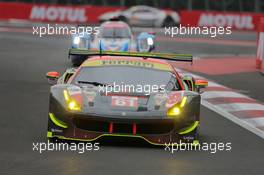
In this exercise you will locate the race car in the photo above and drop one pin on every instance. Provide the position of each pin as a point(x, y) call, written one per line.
point(144, 16)
point(84, 104)
point(114, 36)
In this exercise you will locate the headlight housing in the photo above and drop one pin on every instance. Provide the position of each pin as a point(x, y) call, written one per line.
point(150, 41)
point(173, 111)
point(76, 40)
point(72, 104)
point(176, 109)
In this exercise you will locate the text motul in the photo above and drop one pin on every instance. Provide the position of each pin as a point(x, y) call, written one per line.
point(58, 14)
point(236, 21)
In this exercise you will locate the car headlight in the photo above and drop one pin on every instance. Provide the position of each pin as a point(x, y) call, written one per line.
point(173, 111)
point(71, 103)
point(73, 106)
point(177, 108)
point(76, 40)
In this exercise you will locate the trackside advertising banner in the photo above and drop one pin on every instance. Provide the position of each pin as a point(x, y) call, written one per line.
point(52, 13)
point(238, 21)
point(89, 14)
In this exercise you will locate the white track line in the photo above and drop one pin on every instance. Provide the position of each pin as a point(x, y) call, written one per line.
point(230, 107)
point(233, 118)
point(257, 122)
point(215, 94)
point(250, 124)
point(213, 84)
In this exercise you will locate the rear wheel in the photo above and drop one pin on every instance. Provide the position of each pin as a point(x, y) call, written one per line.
point(122, 18)
point(169, 22)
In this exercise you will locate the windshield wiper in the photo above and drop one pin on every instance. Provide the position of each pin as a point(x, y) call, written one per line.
point(94, 83)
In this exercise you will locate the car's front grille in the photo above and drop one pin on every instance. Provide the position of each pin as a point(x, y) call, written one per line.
point(156, 128)
point(91, 125)
point(143, 127)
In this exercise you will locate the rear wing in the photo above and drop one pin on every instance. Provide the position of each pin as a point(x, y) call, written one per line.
point(145, 55)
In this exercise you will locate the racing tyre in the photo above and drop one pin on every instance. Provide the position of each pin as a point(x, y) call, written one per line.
point(124, 19)
point(191, 137)
point(169, 22)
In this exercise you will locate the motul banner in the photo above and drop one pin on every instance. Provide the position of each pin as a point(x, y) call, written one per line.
point(238, 21)
point(89, 14)
point(52, 13)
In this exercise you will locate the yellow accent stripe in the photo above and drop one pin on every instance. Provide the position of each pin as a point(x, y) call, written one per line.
point(195, 142)
point(191, 128)
point(49, 134)
point(183, 102)
point(201, 84)
point(66, 95)
point(57, 121)
point(114, 135)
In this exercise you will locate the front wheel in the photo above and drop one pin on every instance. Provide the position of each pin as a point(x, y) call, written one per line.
point(191, 137)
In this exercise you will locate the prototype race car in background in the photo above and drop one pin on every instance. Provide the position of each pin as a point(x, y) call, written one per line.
point(113, 36)
point(81, 109)
point(144, 16)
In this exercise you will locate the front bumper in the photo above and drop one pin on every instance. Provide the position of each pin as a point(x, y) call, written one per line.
point(90, 128)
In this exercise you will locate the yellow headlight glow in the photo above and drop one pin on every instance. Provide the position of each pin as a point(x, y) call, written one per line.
point(176, 109)
point(173, 111)
point(72, 104)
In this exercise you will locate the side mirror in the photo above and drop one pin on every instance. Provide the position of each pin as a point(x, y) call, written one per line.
point(199, 84)
point(52, 77)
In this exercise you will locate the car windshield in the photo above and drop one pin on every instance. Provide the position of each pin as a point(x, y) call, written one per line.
point(126, 75)
point(115, 32)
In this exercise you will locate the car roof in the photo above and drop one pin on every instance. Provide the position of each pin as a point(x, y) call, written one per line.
point(128, 61)
point(114, 24)
point(140, 7)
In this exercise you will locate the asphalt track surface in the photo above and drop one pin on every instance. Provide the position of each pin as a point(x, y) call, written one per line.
point(24, 60)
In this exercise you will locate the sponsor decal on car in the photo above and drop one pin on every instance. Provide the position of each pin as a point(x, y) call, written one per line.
point(124, 101)
point(127, 63)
